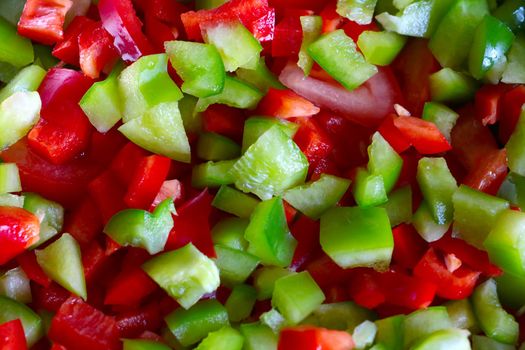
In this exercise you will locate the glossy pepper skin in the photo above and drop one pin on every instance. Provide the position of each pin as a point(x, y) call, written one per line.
point(19, 230)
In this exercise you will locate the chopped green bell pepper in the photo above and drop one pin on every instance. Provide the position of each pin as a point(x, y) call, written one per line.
point(191, 119)
point(380, 48)
point(450, 86)
point(236, 45)
point(312, 27)
point(511, 290)
point(44, 56)
point(9, 178)
point(18, 114)
point(241, 301)
point(422, 323)
point(515, 147)
point(369, 189)
point(258, 337)
point(191, 325)
point(314, 198)
point(208, 4)
point(140, 228)
point(260, 77)
point(235, 202)
point(337, 54)
point(268, 234)
point(230, 233)
point(462, 315)
point(515, 66)
point(480, 342)
point(15, 49)
point(512, 13)
point(11, 10)
point(225, 338)
point(274, 320)
point(212, 174)
point(495, 322)
point(442, 116)
point(50, 214)
point(62, 262)
point(11, 200)
point(399, 206)
point(437, 185)
point(384, 161)
point(212, 146)
point(199, 65)
point(255, 127)
point(425, 224)
point(264, 280)
point(28, 79)
point(236, 93)
point(185, 274)
point(273, 164)
point(235, 266)
point(367, 242)
point(31, 322)
point(390, 332)
point(344, 316)
point(296, 296)
point(14, 284)
point(364, 334)
point(457, 339)
point(359, 11)
point(139, 344)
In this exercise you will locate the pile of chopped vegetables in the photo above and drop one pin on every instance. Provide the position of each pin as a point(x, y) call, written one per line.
point(262, 174)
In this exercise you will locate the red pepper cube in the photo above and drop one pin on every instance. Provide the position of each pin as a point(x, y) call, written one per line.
point(43, 20)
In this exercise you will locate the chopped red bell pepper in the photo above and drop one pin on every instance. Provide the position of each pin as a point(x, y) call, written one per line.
point(84, 222)
point(306, 232)
point(336, 294)
point(159, 32)
point(224, 120)
point(19, 229)
point(313, 141)
point(290, 212)
point(364, 288)
point(96, 50)
point(34, 272)
point(77, 325)
point(120, 20)
point(256, 15)
point(453, 285)
point(133, 323)
point(56, 346)
point(407, 291)
point(490, 172)
point(423, 135)
point(108, 194)
point(326, 272)
point(191, 224)
point(43, 20)
point(49, 298)
point(331, 19)
point(409, 247)
point(147, 180)
point(126, 161)
point(93, 258)
point(103, 148)
point(393, 135)
point(487, 103)
point(288, 34)
point(314, 338)
point(282, 5)
point(473, 257)
point(129, 287)
point(286, 104)
point(511, 104)
point(12, 336)
point(67, 48)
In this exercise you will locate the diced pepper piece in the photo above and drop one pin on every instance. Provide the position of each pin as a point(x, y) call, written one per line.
point(31, 322)
point(11, 200)
point(274, 320)
point(423, 135)
point(185, 274)
point(50, 214)
point(268, 234)
point(399, 206)
point(235, 266)
point(96, 50)
point(79, 325)
point(18, 114)
point(368, 242)
point(480, 342)
point(138, 344)
point(27, 79)
point(240, 302)
point(235, 94)
point(445, 339)
point(226, 338)
point(390, 332)
point(102, 103)
point(146, 83)
point(12, 10)
point(493, 319)
point(254, 127)
point(513, 73)
point(312, 338)
point(492, 40)
point(160, 130)
point(271, 165)
point(191, 325)
point(43, 21)
point(407, 291)
point(139, 228)
point(437, 185)
point(12, 335)
point(9, 178)
point(67, 49)
point(205, 75)
point(212, 174)
point(258, 337)
point(511, 290)
point(422, 323)
point(364, 334)
point(14, 284)
point(286, 104)
point(260, 77)
point(236, 45)
point(510, 13)
point(19, 230)
point(503, 243)
point(369, 189)
point(264, 280)
point(425, 224)
point(442, 116)
point(451, 48)
point(312, 27)
point(515, 147)
point(62, 262)
point(344, 316)
point(335, 53)
point(380, 48)
point(462, 315)
point(129, 287)
point(384, 161)
point(212, 146)
point(475, 214)
point(148, 178)
point(191, 119)
point(230, 233)
point(359, 11)
point(235, 202)
point(450, 86)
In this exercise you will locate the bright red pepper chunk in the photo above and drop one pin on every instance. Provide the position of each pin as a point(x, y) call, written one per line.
point(34, 272)
point(67, 48)
point(12, 336)
point(43, 20)
point(286, 104)
point(130, 287)
point(423, 135)
point(19, 229)
point(96, 50)
point(313, 338)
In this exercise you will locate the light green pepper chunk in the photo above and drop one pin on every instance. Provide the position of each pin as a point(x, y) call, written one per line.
point(18, 114)
point(359, 11)
point(312, 27)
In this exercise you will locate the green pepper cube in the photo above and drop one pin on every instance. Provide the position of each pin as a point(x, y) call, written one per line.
point(271, 165)
point(191, 119)
point(448, 85)
point(426, 226)
point(139, 344)
point(254, 127)
point(11, 200)
point(14, 284)
point(462, 315)
point(364, 334)
point(235, 266)
point(145, 84)
point(480, 342)
point(18, 114)
point(28, 79)
point(457, 339)
point(511, 13)
point(9, 178)
point(102, 103)
point(438, 186)
point(236, 93)
point(357, 237)
point(506, 242)
point(514, 69)
point(380, 48)
point(212, 174)
point(274, 320)
point(511, 290)
point(384, 161)
point(140, 228)
point(492, 40)
point(212, 146)
point(258, 337)
point(185, 274)
point(369, 189)
point(422, 323)
point(62, 262)
point(399, 206)
point(515, 147)
point(260, 77)
point(191, 325)
point(241, 301)
point(359, 11)
point(344, 316)
point(337, 54)
point(264, 280)
point(314, 198)
point(442, 116)
point(296, 296)
point(15, 49)
point(236, 44)
point(390, 332)
point(160, 130)
point(451, 47)
point(268, 234)
point(235, 202)
point(312, 27)
point(495, 322)
point(225, 338)
point(199, 65)
point(230, 233)
point(50, 214)
point(31, 322)
point(475, 213)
